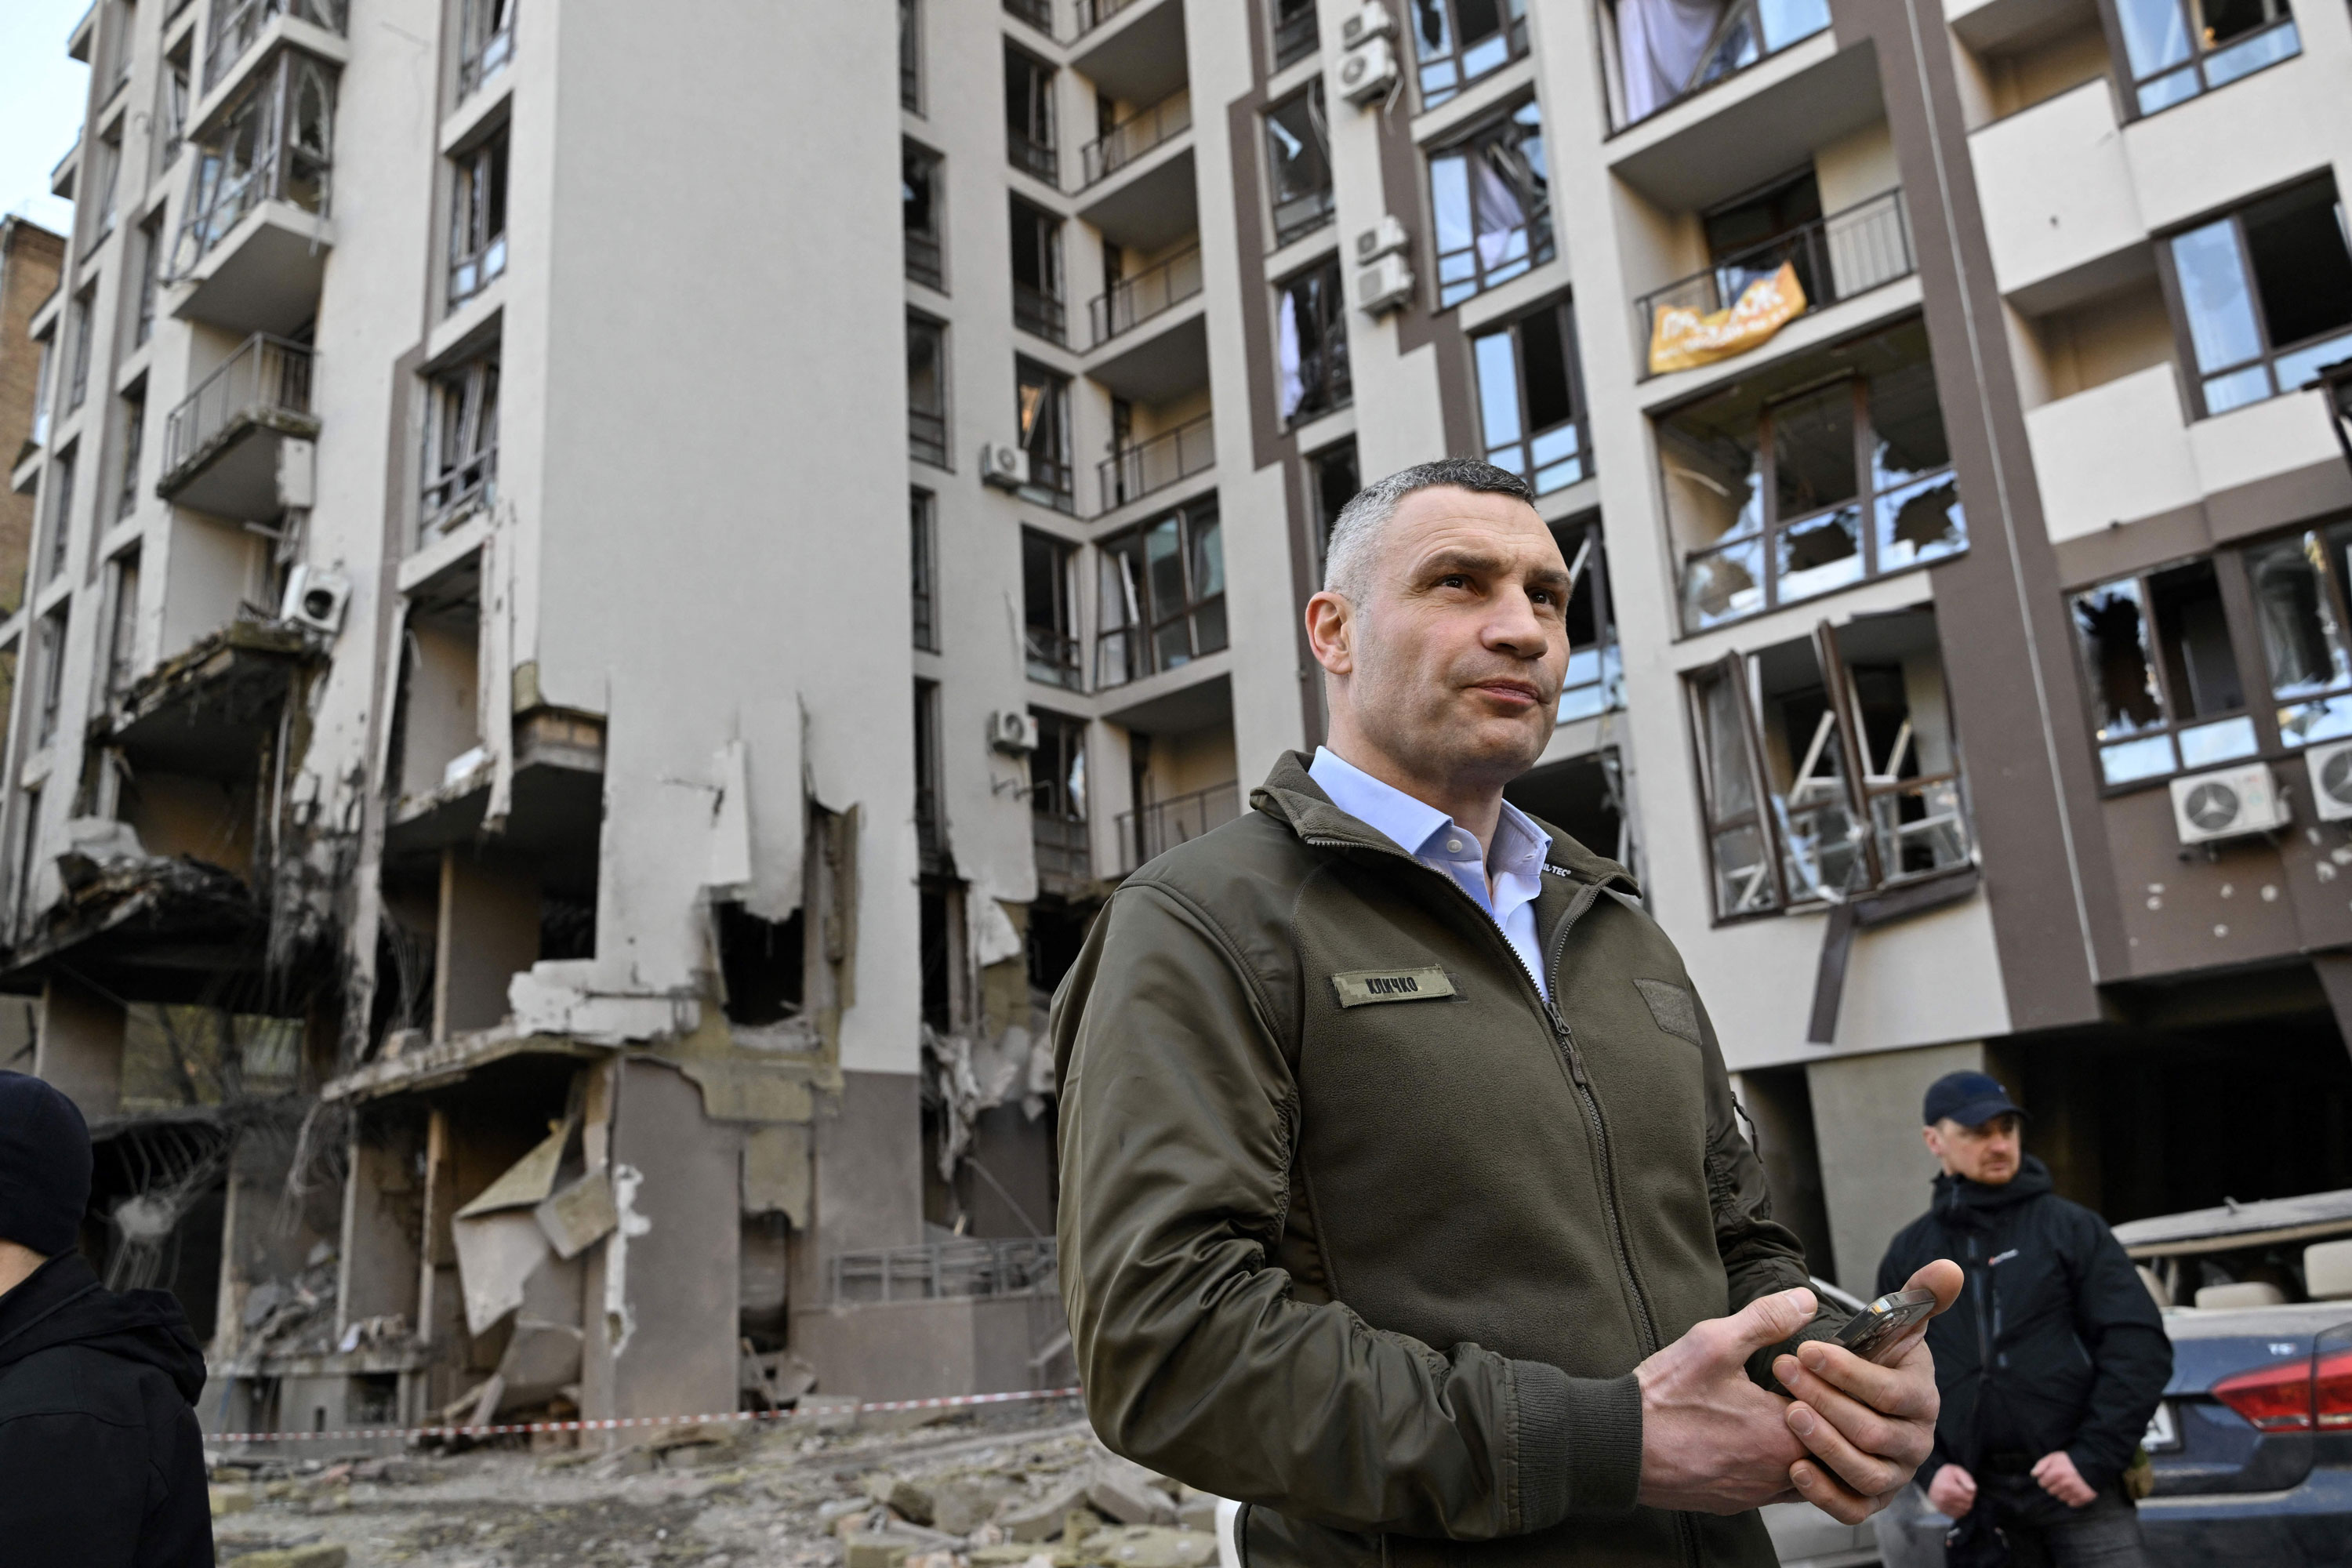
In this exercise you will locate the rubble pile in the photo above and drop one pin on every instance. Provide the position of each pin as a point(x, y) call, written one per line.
point(1008, 1488)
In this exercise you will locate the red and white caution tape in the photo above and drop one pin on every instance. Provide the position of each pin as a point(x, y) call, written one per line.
point(944, 1401)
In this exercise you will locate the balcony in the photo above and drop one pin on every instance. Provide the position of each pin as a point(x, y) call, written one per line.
point(1835, 258)
point(1065, 864)
point(2062, 215)
point(1138, 178)
point(1038, 14)
point(1032, 156)
point(1038, 313)
point(237, 24)
point(1131, 302)
point(1764, 120)
point(1154, 830)
point(1138, 134)
point(1132, 50)
point(253, 235)
point(225, 448)
point(1168, 458)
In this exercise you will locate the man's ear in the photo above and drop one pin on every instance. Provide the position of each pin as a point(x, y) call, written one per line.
point(1331, 632)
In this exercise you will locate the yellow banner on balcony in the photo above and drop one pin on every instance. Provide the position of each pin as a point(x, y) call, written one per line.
point(1681, 338)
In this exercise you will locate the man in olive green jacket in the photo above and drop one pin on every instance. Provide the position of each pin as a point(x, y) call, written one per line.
point(1401, 1193)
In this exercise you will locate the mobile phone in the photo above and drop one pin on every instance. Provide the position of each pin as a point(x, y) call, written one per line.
point(1872, 1332)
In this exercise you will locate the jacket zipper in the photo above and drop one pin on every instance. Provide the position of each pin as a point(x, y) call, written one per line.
point(1564, 1041)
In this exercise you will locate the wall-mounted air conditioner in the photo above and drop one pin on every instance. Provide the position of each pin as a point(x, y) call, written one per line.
point(1015, 733)
point(1385, 237)
point(2229, 803)
point(1367, 72)
point(1004, 465)
point(1369, 21)
point(1386, 285)
point(2331, 780)
point(315, 597)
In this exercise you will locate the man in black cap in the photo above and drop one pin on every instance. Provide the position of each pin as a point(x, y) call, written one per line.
point(102, 1462)
point(2055, 1356)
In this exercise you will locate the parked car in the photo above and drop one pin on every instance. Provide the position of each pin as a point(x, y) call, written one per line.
point(2253, 1444)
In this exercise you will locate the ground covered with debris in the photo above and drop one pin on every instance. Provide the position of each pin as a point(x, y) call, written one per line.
point(1001, 1488)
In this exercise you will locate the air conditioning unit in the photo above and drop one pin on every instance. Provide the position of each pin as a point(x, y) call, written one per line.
point(1385, 237)
point(2331, 780)
point(1386, 285)
point(1371, 21)
point(1014, 734)
point(315, 597)
point(2229, 803)
point(1367, 73)
point(1004, 465)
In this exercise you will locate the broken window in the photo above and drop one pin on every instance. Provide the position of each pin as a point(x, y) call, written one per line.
point(109, 174)
point(922, 549)
point(1828, 766)
point(122, 627)
point(1654, 52)
point(1049, 608)
point(134, 432)
point(274, 143)
point(1029, 115)
point(2299, 586)
point(235, 25)
point(150, 268)
point(927, 391)
point(1595, 682)
point(1774, 497)
point(1037, 273)
point(1160, 595)
point(919, 182)
point(61, 499)
point(478, 219)
point(930, 818)
point(1294, 31)
point(1490, 197)
point(50, 652)
point(1531, 408)
point(461, 443)
point(1332, 482)
point(1057, 801)
point(911, 56)
point(172, 105)
point(486, 42)
point(760, 963)
point(39, 434)
point(2175, 50)
point(1043, 399)
point(1298, 165)
point(121, 47)
point(85, 311)
point(1458, 41)
point(1311, 343)
point(2267, 296)
point(2165, 693)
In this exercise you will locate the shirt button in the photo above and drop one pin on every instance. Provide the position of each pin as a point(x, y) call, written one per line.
point(1453, 846)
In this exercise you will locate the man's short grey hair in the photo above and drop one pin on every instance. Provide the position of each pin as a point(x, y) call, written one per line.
point(1354, 544)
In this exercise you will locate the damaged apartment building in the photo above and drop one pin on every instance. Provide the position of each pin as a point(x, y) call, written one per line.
point(580, 679)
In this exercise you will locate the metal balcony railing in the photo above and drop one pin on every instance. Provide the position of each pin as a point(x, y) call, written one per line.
point(1131, 302)
point(1038, 158)
point(932, 1270)
point(1064, 861)
point(927, 437)
point(1036, 310)
point(1038, 14)
point(1835, 258)
point(1093, 14)
point(1157, 828)
point(235, 24)
point(266, 382)
point(1052, 657)
point(1166, 458)
point(1137, 134)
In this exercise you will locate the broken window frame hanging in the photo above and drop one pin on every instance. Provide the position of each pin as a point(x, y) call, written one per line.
point(1161, 594)
point(1050, 642)
point(2166, 51)
point(1557, 453)
point(1298, 165)
point(2214, 284)
point(1678, 47)
point(234, 25)
point(2306, 650)
point(1449, 62)
point(2145, 727)
point(461, 443)
point(1041, 397)
point(477, 217)
point(246, 155)
point(1311, 343)
point(1490, 203)
point(486, 43)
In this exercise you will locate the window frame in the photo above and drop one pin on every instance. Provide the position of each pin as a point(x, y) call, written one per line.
point(1543, 240)
point(1560, 310)
point(911, 56)
point(1513, 14)
point(63, 472)
point(2336, 593)
point(1069, 840)
point(2193, 375)
point(1063, 664)
point(123, 621)
point(2131, 88)
point(452, 490)
point(928, 431)
point(82, 330)
point(150, 277)
point(53, 626)
point(1041, 311)
point(925, 252)
point(1053, 477)
point(930, 785)
point(134, 439)
point(479, 199)
point(1024, 149)
point(1312, 99)
point(1131, 547)
point(1332, 360)
point(1286, 46)
point(922, 567)
point(2171, 726)
point(484, 48)
point(1589, 565)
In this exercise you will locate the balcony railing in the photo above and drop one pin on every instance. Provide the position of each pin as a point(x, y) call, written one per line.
point(1166, 458)
point(1137, 134)
point(273, 144)
point(923, 260)
point(945, 1269)
point(266, 382)
point(1131, 302)
point(927, 437)
point(1835, 258)
point(1093, 14)
point(1038, 14)
point(1056, 478)
point(1295, 38)
point(1038, 158)
point(1036, 310)
point(1052, 657)
point(1152, 830)
point(1063, 862)
point(235, 24)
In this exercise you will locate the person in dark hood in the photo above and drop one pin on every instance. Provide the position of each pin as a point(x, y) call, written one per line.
point(2054, 1358)
point(102, 1462)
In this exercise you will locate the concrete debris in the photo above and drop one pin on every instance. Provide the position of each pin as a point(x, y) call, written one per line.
point(1127, 1500)
point(497, 1253)
point(580, 1215)
point(1197, 1512)
point(1041, 1518)
point(563, 997)
point(294, 1557)
point(1149, 1546)
point(527, 1182)
point(290, 1317)
point(867, 1550)
point(965, 1077)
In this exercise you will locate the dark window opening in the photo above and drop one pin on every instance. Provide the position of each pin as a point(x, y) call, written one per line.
point(1298, 154)
point(1458, 41)
point(1042, 398)
point(927, 391)
point(1332, 477)
point(1029, 116)
point(1049, 608)
point(1311, 341)
point(923, 574)
point(2267, 296)
point(760, 963)
point(919, 208)
point(1037, 295)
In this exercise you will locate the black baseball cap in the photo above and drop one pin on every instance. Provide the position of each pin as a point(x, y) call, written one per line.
point(1971, 1099)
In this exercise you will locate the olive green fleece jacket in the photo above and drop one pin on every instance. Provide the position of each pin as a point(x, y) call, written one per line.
point(1357, 1229)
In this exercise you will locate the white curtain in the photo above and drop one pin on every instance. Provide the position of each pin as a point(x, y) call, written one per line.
point(1286, 353)
point(1659, 46)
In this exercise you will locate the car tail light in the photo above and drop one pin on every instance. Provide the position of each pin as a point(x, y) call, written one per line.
point(2280, 1398)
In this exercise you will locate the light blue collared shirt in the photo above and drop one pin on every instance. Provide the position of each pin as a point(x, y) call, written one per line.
point(1442, 845)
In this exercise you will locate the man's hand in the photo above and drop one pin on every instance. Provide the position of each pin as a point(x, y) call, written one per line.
point(2062, 1481)
point(1953, 1492)
point(1868, 1424)
point(1711, 1440)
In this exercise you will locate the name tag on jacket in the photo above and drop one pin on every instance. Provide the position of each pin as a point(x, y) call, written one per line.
point(1359, 986)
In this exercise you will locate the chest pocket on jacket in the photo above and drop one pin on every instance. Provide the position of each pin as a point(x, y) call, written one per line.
point(1674, 1008)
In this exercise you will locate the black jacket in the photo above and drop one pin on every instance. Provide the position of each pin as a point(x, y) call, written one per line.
point(102, 1462)
point(2054, 1343)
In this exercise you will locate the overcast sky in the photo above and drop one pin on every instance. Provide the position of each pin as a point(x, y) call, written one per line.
point(41, 94)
